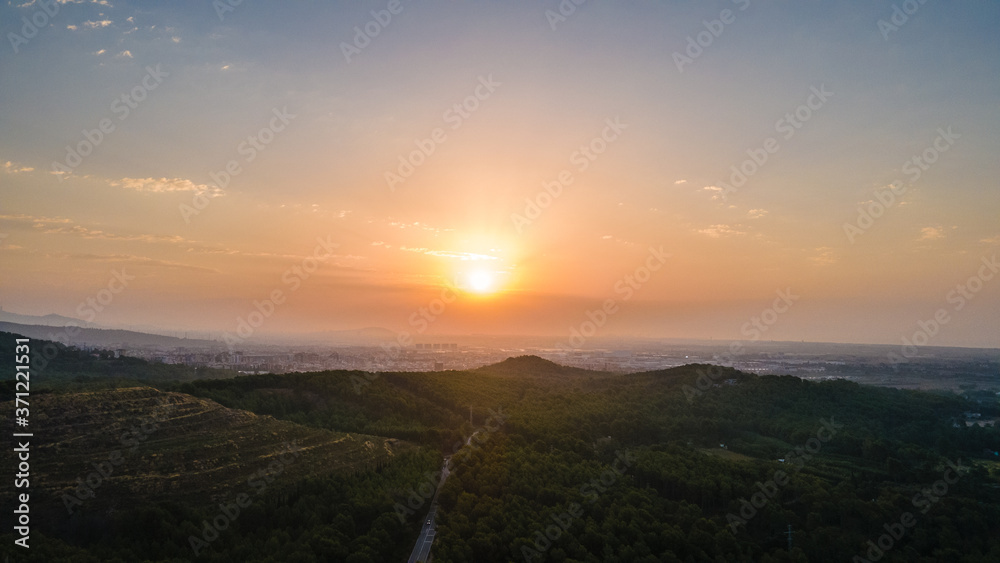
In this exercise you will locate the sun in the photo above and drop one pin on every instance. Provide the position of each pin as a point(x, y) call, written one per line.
point(481, 281)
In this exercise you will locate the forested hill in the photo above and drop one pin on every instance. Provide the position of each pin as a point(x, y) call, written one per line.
point(535, 368)
point(639, 468)
point(695, 463)
point(57, 366)
point(854, 457)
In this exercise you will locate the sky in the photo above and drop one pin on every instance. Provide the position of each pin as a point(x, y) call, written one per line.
point(819, 171)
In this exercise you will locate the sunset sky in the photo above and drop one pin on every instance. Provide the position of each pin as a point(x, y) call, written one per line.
point(504, 95)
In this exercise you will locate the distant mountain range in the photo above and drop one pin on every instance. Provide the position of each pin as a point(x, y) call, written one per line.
point(46, 320)
point(105, 338)
point(90, 334)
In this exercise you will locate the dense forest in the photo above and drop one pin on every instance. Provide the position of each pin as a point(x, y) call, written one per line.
point(696, 463)
point(626, 469)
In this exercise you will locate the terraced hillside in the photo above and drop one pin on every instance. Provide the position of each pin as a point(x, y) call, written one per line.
point(140, 443)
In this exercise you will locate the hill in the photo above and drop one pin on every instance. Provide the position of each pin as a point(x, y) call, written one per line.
point(649, 466)
point(57, 366)
point(137, 474)
point(177, 447)
point(536, 368)
point(102, 337)
point(44, 320)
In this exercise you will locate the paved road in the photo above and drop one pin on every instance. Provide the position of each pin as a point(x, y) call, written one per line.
point(422, 549)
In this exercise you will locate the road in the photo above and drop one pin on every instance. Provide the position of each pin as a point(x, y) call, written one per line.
point(422, 549)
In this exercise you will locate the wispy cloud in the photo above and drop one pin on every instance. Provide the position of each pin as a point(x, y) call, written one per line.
point(33, 219)
point(824, 256)
point(12, 168)
point(460, 255)
point(84, 232)
point(464, 256)
point(618, 240)
point(166, 185)
point(90, 25)
point(64, 226)
point(416, 225)
point(931, 233)
point(134, 260)
point(716, 192)
point(757, 213)
point(31, 3)
point(718, 231)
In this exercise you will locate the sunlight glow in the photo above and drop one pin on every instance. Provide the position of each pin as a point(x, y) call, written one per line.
point(481, 281)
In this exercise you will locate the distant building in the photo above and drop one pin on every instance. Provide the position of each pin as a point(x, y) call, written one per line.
point(436, 346)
